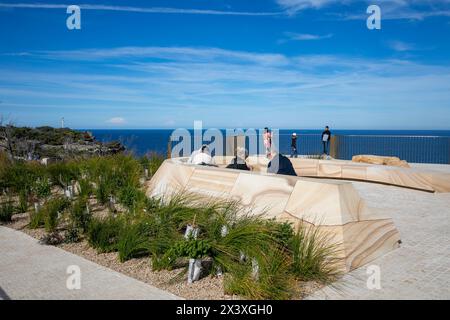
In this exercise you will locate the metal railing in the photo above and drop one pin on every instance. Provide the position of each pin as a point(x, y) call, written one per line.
point(414, 149)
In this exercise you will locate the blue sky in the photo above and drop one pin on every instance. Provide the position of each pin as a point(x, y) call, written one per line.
point(229, 63)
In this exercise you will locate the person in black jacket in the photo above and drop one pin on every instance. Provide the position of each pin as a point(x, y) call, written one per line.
point(294, 152)
point(281, 165)
point(238, 162)
point(326, 137)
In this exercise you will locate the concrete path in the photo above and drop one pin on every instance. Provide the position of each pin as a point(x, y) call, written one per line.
point(420, 268)
point(29, 270)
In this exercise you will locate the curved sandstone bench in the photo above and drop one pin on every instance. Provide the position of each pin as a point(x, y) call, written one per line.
point(415, 178)
point(362, 233)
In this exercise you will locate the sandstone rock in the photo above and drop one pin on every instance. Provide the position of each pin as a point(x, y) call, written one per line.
point(380, 160)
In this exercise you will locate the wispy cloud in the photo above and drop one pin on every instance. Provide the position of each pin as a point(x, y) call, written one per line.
point(116, 121)
point(401, 46)
point(291, 36)
point(391, 9)
point(293, 6)
point(160, 10)
point(214, 84)
point(166, 53)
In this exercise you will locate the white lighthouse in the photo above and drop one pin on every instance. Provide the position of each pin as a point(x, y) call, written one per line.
point(62, 123)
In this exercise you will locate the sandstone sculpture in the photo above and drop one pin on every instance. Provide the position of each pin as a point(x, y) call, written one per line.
point(387, 161)
point(333, 206)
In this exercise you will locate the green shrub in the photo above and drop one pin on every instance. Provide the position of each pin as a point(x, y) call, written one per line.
point(52, 210)
point(135, 239)
point(273, 281)
point(80, 215)
point(103, 191)
point(103, 235)
point(36, 219)
point(48, 215)
point(127, 171)
point(313, 255)
point(132, 197)
point(23, 202)
point(63, 173)
point(72, 235)
point(249, 235)
point(283, 232)
point(190, 248)
point(6, 211)
point(19, 177)
point(42, 188)
point(152, 161)
point(86, 189)
point(51, 239)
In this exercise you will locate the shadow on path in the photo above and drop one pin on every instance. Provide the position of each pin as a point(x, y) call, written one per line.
point(4, 295)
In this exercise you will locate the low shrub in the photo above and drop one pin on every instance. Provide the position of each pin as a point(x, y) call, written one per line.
point(152, 161)
point(103, 235)
point(86, 189)
point(313, 255)
point(272, 281)
point(51, 239)
point(36, 219)
point(6, 211)
point(80, 215)
point(283, 232)
point(63, 173)
point(23, 202)
point(190, 248)
point(135, 239)
point(132, 198)
point(72, 235)
point(42, 188)
point(52, 211)
point(104, 190)
point(48, 216)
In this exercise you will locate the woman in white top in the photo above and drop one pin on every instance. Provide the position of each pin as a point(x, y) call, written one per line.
point(267, 141)
point(203, 157)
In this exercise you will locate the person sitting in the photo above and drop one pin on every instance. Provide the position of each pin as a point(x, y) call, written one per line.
point(281, 165)
point(238, 162)
point(194, 153)
point(203, 157)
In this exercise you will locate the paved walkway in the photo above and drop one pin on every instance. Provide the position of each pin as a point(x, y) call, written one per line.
point(420, 268)
point(29, 270)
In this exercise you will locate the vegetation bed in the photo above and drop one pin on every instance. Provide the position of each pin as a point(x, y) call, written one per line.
point(97, 208)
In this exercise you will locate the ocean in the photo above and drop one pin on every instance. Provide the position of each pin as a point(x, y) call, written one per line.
point(412, 145)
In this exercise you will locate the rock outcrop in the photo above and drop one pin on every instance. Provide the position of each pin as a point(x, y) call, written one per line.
point(380, 160)
point(51, 143)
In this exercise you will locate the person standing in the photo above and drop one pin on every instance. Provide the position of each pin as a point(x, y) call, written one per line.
point(326, 138)
point(267, 141)
point(294, 152)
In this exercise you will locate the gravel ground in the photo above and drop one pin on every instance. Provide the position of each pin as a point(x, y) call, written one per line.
point(207, 288)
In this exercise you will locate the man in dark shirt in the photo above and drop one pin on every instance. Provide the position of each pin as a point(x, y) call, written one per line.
point(281, 165)
point(294, 152)
point(239, 160)
point(238, 164)
point(326, 137)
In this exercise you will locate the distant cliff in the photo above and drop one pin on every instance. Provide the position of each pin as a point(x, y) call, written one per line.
point(47, 142)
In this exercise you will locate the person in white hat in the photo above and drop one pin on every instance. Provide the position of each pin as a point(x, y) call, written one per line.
point(294, 152)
